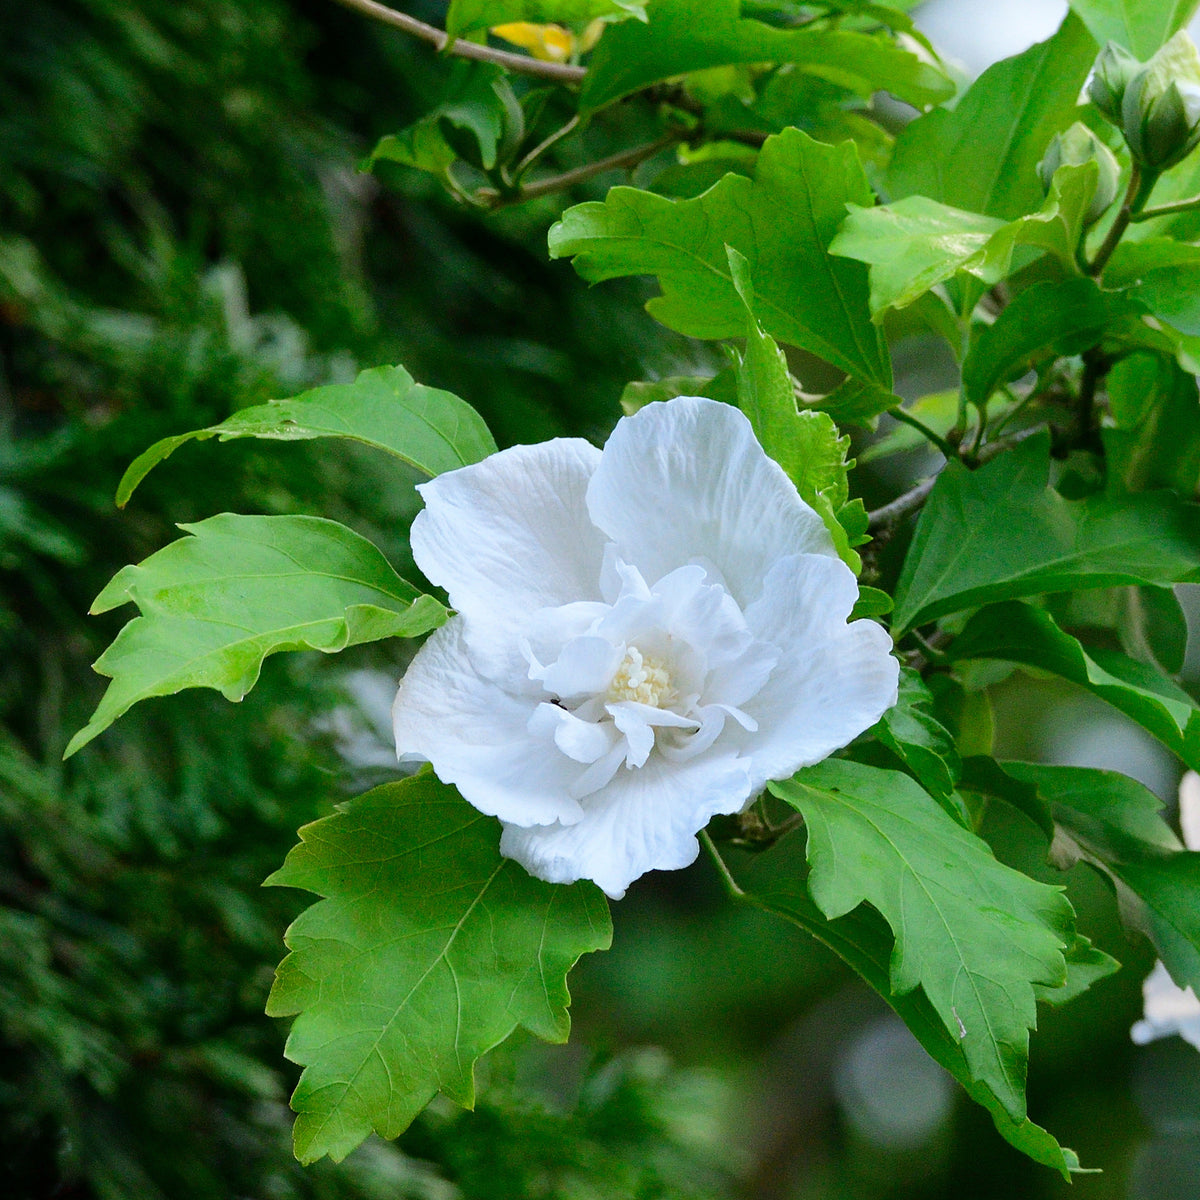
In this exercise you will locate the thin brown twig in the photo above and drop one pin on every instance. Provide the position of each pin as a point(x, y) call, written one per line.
point(441, 40)
point(492, 198)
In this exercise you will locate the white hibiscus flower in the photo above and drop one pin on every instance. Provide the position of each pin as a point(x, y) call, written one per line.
point(645, 636)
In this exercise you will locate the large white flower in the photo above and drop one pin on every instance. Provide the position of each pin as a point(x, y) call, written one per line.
point(645, 636)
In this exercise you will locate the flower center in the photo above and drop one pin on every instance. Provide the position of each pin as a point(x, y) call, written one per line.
point(644, 680)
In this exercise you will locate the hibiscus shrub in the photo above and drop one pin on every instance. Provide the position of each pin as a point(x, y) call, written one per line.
point(699, 636)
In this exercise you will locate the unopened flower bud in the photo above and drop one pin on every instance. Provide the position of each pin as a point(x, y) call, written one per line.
point(1113, 69)
point(1160, 111)
point(1073, 148)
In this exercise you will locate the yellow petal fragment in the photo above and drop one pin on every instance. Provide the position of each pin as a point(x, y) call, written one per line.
point(551, 43)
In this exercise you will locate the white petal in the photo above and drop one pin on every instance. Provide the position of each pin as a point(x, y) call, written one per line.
point(585, 666)
point(584, 741)
point(1169, 1009)
point(832, 681)
point(509, 536)
point(685, 479)
point(645, 819)
point(477, 736)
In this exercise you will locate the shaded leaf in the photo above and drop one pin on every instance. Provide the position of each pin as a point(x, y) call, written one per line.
point(1020, 633)
point(1047, 320)
point(692, 35)
point(431, 430)
point(982, 156)
point(428, 950)
point(1001, 532)
point(1156, 442)
point(215, 604)
point(781, 222)
point(1113, 823)
point(876, 837)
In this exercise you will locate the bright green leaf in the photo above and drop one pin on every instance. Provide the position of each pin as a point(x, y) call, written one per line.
point(781, 222)
point(912, 245)
point(1002, 532)
point(467, 16)
point(216, 603)
point(428, 950)
point(911, 731)
point(431, 430)
point(1141, 26)
point(692, 35)
point(871, 602)
point(917, 243)
point(1019, 633)
point(982, 156)
point(877, 837)
point(862, 939)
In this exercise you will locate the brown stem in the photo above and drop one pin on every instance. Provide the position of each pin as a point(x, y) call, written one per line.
point(559, 72)
point(557, 183)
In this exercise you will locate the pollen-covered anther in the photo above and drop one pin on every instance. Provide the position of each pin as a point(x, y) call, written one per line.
point(643, 679)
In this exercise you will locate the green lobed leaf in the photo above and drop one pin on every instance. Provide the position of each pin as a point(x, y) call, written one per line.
point(917, 243)
point(1141, 26)
point(1113, 822)
point(977, 952)
point(1019, 633)
point(982, 156)
point(781, 222)
point(431, 430)
point(1001, 532)
point(911, 246)
point(806, 444)
point(427, 950)
point(693, 35)
point(863, 941)
point(1047, 320)
point(467, 16)
point(914, 734)
point(216, 603)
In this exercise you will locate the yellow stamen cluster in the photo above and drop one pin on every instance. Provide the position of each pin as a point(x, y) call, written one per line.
point(644, 680)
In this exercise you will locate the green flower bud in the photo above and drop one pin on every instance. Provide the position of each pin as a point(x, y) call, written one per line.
point(1160, 111)
point(1079, 145)
point(1111, 73)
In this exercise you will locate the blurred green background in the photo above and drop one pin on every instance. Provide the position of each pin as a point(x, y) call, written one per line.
point(183, 232)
